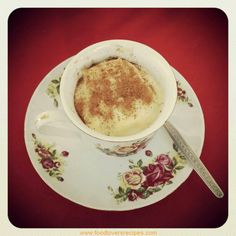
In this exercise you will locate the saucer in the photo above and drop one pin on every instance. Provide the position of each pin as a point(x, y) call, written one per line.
point(85, 175)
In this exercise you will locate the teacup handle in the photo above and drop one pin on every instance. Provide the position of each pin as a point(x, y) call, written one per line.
point(55, 123)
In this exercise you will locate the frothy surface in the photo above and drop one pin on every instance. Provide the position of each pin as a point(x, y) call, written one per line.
point(117, 98)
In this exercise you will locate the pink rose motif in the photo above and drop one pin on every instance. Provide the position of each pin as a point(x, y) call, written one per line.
point(156, 174)
point(47, 163)
point(167, 176)
point(132, 196)
point(165, 160)
point(44, 153)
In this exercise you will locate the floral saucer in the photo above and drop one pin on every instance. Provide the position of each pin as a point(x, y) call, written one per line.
point(95, 179)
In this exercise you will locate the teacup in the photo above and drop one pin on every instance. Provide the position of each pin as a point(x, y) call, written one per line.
point(134, 52)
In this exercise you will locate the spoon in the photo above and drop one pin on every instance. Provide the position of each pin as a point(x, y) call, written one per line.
point(196, 163)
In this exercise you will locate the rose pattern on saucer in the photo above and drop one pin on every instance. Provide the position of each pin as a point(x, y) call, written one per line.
point(143, 180)
point(122, 151)
point(50, 159)
point(182, 95)
point(53, 90)
point(147, 155)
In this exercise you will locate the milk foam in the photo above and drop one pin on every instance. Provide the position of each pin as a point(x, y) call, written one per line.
point(120, 123)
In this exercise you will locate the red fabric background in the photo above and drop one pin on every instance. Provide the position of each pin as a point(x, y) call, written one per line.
point(194, 41)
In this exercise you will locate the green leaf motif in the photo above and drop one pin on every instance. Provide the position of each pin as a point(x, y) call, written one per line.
point(154, 190)
point(146, 194)
point(175, 147)
point(124, 198)
point(174, 161)
point(128, 190)
point(60, 178)
point(53, 90)
point(141, 190)
point(157, 189)
point(55, 81)
point(140, 163)
point(182, 157)
point(58, 89)
point(121, 190)
point(110, 188)
point(117, 196)
point(55, 102)
point(179, 167)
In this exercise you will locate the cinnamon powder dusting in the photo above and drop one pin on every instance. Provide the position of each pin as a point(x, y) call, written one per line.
point(111, 84)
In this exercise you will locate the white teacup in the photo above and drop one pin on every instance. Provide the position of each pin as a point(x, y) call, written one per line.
point(134, 52)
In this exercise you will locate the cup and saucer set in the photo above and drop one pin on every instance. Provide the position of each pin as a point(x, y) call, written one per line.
point(105, 172)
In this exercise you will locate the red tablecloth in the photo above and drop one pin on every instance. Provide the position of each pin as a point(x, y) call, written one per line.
point(194, 41)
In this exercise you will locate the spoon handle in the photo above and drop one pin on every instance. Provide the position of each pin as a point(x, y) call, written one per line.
point(196, 163)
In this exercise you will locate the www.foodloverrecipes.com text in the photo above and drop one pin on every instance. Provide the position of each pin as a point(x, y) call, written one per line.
point(118, 233)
